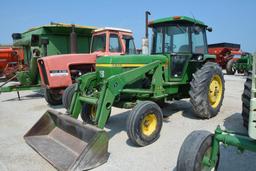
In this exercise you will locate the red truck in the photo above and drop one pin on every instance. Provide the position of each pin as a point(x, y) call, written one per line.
point(59, 71)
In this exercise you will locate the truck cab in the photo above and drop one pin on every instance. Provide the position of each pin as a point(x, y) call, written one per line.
point(59, 71)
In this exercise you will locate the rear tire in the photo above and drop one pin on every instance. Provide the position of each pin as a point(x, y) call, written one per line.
point(246, 97)
point(52, 98)
point(144, 123)
point(68, 95)
point(207, 90)
point(229, 67)
point(194, 148)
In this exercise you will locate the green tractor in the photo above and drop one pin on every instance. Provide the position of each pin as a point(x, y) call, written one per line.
point(179, 67)
point(201, 149)
point(241, 63)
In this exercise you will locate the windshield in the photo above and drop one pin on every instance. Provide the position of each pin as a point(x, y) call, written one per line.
point(114, 43)
point(168, 39)
point(175, 39)
point(99, 43)
point(129, 45)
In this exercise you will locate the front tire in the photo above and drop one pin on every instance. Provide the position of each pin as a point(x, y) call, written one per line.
point(230, 68)
point(88, 114)
point(52, 97)
point(68, 95)
point(144, 123)
point(195, 147)
point(207, 91)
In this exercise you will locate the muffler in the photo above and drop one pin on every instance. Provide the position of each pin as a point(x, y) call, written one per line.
point(67, 143)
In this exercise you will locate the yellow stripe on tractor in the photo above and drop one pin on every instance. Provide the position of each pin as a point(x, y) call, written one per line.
point(120, 65)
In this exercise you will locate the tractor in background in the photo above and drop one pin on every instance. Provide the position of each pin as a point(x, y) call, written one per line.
point(56, 38)
point(11, 60)
point(201, 149)
point(240, 63)
point(177, 68)
point(224, 53)
point(60, 71)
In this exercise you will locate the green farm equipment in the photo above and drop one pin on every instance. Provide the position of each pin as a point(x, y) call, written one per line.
point(201, 149)
point(47, 40)
point(241, 63)
point(178, 67)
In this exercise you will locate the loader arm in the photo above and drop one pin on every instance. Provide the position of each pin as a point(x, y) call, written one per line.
point(112, 87)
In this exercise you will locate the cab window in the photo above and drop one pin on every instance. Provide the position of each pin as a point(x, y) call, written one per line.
point(129, 45)
point(114, 44)
point(198, 41)
point(99, 42)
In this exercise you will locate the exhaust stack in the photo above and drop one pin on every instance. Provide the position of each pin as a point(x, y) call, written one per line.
point(145, 42)
point(73, 40)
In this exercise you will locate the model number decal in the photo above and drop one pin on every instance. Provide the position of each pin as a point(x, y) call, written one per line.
point(54, 73)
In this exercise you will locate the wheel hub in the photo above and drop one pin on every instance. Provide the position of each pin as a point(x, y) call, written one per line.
point(215, 91)
point(148, 124)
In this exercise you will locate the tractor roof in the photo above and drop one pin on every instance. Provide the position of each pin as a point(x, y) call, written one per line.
point(112, 29)
point(175, 19)
point(61, 27)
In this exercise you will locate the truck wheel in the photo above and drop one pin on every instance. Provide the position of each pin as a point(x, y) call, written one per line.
point(207, 90)
point(68, 95)
point(230, 68)
point(246, 97)
point(52, 98)
point(144, 123)
point(194, 149)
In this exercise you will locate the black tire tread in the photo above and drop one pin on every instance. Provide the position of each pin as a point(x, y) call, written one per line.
point(229, 67)
point(67, 96)
point(199, 90)
point(246, 97)
point(131, 122)
point(191, 150)
point(49, 99)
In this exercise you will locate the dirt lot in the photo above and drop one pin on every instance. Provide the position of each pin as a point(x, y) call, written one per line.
point(16, 117)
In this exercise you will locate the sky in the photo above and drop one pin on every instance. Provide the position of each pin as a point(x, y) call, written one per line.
point(232, 21)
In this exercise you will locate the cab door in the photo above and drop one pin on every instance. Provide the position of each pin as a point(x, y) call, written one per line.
point(177, 42)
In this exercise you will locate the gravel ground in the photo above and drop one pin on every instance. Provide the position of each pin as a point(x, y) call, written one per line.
point(17, 117)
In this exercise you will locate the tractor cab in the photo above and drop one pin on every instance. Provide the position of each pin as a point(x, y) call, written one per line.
point(112, 41)
point(182, 37)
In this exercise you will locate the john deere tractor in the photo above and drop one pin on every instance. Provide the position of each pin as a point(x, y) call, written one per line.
point(201, 149)
point(179, 67)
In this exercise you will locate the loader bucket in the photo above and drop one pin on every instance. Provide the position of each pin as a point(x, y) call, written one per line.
point(67, 143)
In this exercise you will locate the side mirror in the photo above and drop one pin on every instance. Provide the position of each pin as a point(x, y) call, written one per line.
point(209, 29)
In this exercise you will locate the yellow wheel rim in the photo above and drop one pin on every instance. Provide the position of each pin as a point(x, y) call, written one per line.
point(148, 124)
point(93, 111)
point(215, 91)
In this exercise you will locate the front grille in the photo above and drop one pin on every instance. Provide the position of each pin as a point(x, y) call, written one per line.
point(43, 70)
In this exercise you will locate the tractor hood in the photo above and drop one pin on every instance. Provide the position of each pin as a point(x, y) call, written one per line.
point(67, 59)
point(63, 62)
point(55, 70)
point(112, 65)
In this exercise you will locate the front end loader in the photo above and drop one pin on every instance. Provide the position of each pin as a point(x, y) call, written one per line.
point(201, 149)
point(178, 67)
